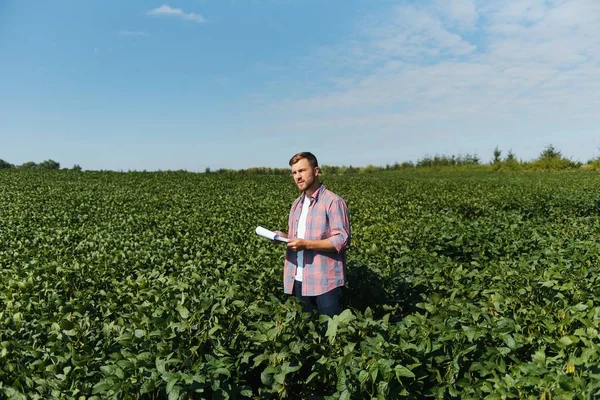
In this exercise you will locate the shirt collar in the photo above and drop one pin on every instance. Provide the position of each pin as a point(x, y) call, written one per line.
point(315, 195)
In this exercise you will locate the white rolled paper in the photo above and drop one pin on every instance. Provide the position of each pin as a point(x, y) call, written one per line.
point(260, 231)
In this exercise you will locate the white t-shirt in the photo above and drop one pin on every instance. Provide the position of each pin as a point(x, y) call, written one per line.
point(300, 235)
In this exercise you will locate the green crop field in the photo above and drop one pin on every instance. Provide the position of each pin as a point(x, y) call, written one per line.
point(154, 285)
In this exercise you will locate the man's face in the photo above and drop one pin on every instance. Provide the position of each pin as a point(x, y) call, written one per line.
point(304, 175)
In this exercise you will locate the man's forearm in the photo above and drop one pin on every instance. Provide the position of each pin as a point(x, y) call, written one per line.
point(326, 245)
point(320, 245)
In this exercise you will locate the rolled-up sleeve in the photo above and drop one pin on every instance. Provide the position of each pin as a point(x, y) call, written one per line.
point(339, 225)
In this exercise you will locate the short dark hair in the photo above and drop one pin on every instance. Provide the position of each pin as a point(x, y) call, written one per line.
point(312, 160)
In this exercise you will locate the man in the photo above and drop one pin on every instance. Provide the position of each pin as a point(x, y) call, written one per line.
point(319, 234)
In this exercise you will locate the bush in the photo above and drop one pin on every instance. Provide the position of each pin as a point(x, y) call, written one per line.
point(448, 161)
point(28, 165)
point(551, 159)
point(5, 164)
point(49, 164)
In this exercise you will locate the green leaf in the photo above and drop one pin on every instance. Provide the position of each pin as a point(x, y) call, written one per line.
point(101, 387)
point(222, 371)
point(341, 382)
point(266, 377)
point(147, 387)
point(539, 356)
point(363, 376)
point(345, 317)
point(402, 371)
point(259, 359)
point(171, 384)
point(161, 365)
point(108, 370)
point(509, 340)
point(174, 393)
point(568, 340)
point(332, 327)
point(183, 311)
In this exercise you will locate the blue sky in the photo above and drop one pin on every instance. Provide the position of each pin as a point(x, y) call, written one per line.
point(190, 84)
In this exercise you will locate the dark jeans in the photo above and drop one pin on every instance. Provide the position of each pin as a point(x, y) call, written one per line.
point(330, 303)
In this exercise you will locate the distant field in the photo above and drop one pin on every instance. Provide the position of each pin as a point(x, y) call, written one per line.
point(154, 285)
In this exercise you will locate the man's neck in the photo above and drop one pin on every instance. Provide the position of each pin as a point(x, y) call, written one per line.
point(311, 190)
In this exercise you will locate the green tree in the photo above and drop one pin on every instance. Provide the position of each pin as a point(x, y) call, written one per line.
point(552, 159)
point(471, 159)
point(497, 155)
point(5, 164)
point(28, 165)
point(49, 164)
point(369, 169)
point(550, 152)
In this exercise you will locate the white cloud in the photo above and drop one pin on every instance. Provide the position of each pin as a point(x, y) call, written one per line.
point(166, 10)
point(462, 14)
point(510, 68)
point(413, 32)
point(133, 33)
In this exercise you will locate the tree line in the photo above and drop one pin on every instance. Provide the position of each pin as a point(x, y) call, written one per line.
point(44, 165)
point(550, 159)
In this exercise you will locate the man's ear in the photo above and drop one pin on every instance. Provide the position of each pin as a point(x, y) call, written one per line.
point(317, 171)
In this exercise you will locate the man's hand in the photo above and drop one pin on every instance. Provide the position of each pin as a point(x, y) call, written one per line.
point(282, 234)
point(297, 244)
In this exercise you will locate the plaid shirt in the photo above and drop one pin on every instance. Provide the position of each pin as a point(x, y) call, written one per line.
point(327, 218)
